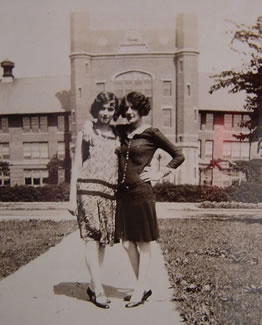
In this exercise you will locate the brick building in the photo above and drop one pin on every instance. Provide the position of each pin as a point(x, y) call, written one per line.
point(34, 126)
point(39, 115)
point(163, 64)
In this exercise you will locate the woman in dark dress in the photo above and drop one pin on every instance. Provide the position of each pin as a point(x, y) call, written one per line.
point(136, 221)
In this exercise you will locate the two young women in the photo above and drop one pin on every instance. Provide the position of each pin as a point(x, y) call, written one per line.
point(112, 165)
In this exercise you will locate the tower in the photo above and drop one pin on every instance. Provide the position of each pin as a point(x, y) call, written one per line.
point(187, 89)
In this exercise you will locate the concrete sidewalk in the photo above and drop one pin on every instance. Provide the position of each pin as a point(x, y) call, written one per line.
point(52, 290)
point(58, 211)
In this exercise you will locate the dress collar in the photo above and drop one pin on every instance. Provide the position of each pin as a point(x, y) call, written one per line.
point(138, 130)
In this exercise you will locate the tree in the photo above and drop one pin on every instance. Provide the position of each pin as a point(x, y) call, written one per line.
point(54, 164)
point(247, 41)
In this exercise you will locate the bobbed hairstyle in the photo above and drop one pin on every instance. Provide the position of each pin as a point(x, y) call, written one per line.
point(102, 99)
point(138, 101)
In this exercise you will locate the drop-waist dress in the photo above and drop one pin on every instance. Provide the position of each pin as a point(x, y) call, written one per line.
point(96, 186)
point(136, 213)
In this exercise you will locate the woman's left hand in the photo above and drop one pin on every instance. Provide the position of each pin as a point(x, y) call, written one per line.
point(148, 175)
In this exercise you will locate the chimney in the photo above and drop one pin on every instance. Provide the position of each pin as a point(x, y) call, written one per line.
point(7, 66)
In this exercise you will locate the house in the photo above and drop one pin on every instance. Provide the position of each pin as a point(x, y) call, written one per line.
point(34, 126)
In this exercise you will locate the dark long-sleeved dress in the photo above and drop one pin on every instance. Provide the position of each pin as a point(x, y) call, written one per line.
point(136, 214)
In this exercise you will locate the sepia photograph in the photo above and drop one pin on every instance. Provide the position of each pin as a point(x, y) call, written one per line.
point(131, 162)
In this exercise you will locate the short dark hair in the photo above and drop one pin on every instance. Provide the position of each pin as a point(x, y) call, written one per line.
point(102, 99)
point(139, 102)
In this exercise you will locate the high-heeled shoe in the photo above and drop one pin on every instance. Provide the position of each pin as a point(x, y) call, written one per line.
point(92, 296)
point(146, 294)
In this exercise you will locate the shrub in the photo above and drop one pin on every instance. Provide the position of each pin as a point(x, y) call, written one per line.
point(246, 192)
point(23, 193)
point(168, 192)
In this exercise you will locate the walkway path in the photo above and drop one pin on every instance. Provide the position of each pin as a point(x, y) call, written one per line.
point(52, 290)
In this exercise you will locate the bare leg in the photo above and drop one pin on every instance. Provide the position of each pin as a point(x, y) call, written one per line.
point(143, 269)
point(94, 257)
point(101, 255)
point(133, 255)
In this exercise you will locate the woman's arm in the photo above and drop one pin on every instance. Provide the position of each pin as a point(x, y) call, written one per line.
point(162, 142)
point(76, 166)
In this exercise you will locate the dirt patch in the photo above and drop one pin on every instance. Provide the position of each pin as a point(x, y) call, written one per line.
point(22, 241)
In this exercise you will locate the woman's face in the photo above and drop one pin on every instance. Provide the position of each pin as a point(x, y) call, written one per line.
point(106, 113)
point(132, 114)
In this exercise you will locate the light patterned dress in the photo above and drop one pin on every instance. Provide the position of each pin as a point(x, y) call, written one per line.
point(96, 186)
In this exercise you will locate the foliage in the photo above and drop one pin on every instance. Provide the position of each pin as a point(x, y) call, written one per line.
point(245, 192)
point(23, 241)
point(4, 166)
point(23, 193)
point(214, 269)
point(229, 205)
point(247, 41)
point(168, 192)
point(251, 168)
point(54, 164)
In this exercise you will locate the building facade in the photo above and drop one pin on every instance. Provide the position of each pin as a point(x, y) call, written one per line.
point(40, 117)
point(162, 64)
point(34, 127)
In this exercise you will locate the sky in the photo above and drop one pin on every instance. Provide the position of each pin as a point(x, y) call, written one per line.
point(35, 33)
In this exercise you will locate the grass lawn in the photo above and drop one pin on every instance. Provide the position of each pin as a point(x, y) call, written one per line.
point(215, 266)
point(21, 241)
point(215, 269)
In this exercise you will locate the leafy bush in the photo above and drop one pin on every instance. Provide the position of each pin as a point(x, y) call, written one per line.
point(229, 205)
point(168, 192)
point(23, 193)
point(246, 192)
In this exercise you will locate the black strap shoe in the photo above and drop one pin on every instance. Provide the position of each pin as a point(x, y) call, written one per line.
point(93, 297)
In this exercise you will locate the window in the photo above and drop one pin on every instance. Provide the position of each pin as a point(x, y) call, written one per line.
point(61, 122)
point(43, 123)
point(245, 150)
point(188, 87)
point(4, 124)
point(228, 121)
point(202, 120)
point(195, 114)
point(26, 123)
point(129, 81)
point(4, 151)
point(227, 150)
point(35, 177)
point(35, 150)
point(166, 117)
point(199, 148)
point(218, 119)
point(209, 149)
point(167, 88)
point(209, 121)
point(237, 120)
point(61, 150)
point(133, 80)
point(181, 66)
point(4, 178)
point(236, 150)
point(100, 86)
point(35, 123)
